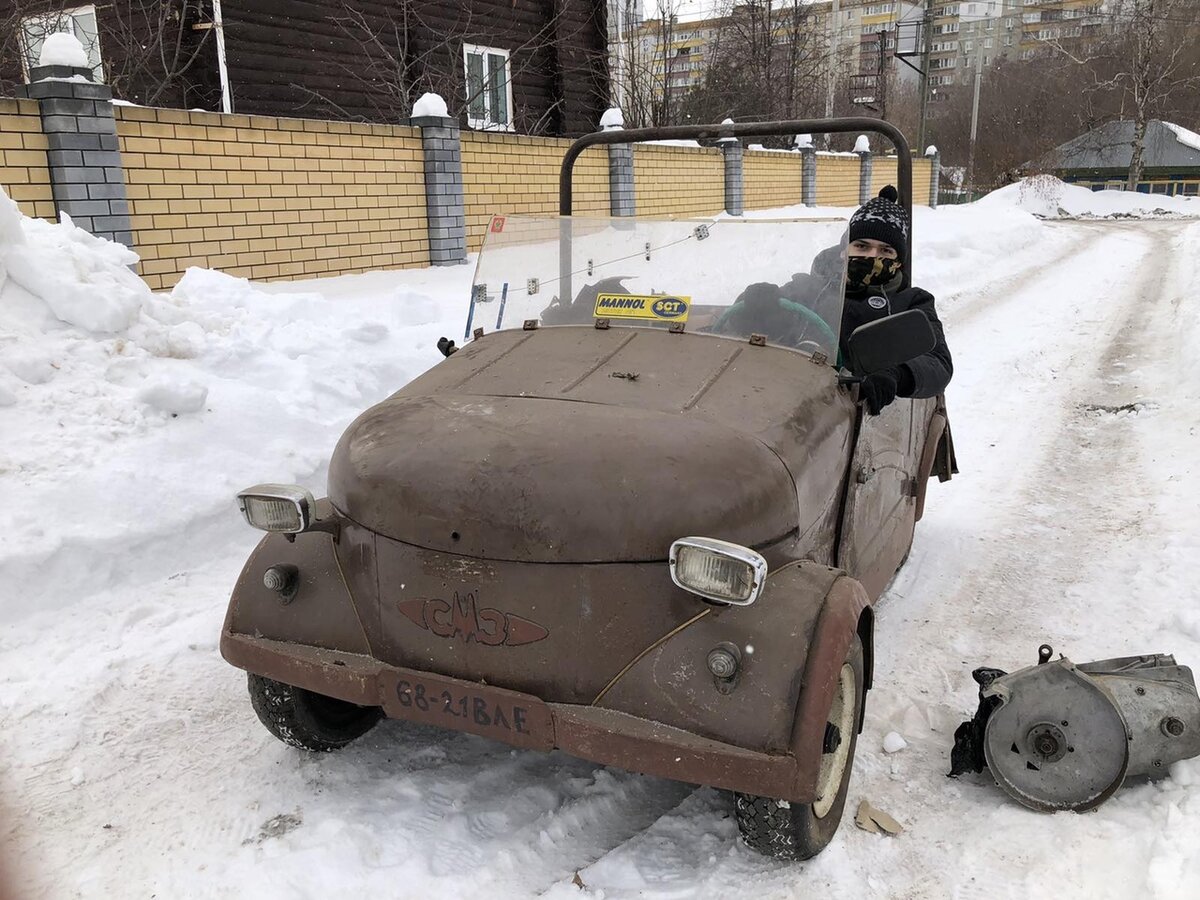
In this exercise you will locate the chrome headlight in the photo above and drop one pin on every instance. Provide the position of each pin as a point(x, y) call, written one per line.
point(718, 570)
point(283, 508)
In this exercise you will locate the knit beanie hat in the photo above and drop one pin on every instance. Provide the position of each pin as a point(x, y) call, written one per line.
point(882, 219)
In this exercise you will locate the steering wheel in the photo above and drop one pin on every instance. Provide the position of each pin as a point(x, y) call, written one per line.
point(823, 328)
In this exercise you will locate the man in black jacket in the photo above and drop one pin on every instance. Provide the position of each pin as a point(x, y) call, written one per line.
point(877, 286)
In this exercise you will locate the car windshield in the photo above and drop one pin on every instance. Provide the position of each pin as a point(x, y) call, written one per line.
point(780, 278)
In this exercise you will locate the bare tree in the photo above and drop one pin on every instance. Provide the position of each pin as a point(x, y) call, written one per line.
point(150, 48)
point(1143, 58)
point(767, 60)
point(404, 55)
point(648, 64)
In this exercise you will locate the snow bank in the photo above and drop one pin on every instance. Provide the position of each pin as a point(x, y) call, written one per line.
point(65, 272)
point(140, 415)
point(430, 105)
point(1048, 197)
point(63, 49)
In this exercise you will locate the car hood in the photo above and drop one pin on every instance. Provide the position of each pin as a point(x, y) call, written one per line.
point(548, 480)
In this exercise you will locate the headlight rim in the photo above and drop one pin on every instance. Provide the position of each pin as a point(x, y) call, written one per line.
point(736, 552)
point(300, 497)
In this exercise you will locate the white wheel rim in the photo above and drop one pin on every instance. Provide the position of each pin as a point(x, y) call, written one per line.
point(833, 765)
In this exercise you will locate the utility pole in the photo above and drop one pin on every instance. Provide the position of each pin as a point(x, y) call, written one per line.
point(834, 40)
point(974, 123)
point(926, 42)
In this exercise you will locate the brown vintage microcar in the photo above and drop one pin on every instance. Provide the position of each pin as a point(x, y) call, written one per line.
point(610, 525)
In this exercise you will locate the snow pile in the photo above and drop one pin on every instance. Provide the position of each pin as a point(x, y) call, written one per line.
point(140, 415)
point(430, 105)
point(63, 49)
point(863, 144)
point(1048, 197)
point(64, 272)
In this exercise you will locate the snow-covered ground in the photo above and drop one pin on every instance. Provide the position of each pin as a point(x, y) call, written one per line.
point(1048, 197)
point(131, 764)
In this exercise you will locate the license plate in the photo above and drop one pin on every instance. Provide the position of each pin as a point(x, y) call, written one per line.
point(491, 712)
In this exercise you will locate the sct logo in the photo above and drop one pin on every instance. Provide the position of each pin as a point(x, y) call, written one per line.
point(670, 308)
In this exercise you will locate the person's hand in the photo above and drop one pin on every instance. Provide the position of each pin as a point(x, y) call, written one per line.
point(878, 389)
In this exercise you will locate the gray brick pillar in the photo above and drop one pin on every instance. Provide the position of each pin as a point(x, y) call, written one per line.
point(731, 148)
point(621, 198)
point(935, 174)
point(443, 189)
point(83, 154)
point(865, 165)
point(808, 175)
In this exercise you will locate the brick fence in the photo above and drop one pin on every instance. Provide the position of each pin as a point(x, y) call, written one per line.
point(266, 197)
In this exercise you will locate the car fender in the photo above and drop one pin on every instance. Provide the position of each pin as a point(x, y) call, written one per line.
point(323, 613)
point(668, 681)
point(845, 613)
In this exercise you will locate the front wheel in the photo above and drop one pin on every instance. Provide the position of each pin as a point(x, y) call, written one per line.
point(306, 720)
point(802, 830)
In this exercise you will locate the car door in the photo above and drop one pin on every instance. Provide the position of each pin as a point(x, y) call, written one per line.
point(880, 506)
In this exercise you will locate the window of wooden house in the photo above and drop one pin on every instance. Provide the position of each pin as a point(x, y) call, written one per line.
point(79, 21)
point(489, 88)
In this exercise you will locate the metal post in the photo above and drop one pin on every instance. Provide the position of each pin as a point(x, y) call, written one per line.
point(974, 127)
point(834, 40)
point(926, 26)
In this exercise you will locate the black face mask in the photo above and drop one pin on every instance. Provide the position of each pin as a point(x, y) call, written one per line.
point(871, 271)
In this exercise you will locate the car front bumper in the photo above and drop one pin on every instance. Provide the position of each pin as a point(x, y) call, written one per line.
point(599, 735)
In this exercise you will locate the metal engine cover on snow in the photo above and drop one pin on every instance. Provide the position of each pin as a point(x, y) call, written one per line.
point(1066, 737)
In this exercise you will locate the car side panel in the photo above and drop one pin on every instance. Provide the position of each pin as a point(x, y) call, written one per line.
point(880, 509)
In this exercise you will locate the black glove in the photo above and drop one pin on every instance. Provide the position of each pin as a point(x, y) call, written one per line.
point(879, 389)
point(446, 346)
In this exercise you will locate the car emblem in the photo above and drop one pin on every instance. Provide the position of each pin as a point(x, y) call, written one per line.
point(877, 302)
point(460, 618)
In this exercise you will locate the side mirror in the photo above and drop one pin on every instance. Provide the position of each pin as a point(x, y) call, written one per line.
point(889, 342)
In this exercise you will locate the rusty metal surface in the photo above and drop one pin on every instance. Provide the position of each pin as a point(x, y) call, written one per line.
point(508, 518)
point(835, 630)
point(600, 735)
point(673, 685)
point(751, 446)
point(880, 508)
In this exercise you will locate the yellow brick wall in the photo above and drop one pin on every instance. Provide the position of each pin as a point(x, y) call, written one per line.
point(678, 181)
point(837, 180)
point(270, 198)
point(508, 174)
point(884, 171)
point(23, 169)
point(771, 179)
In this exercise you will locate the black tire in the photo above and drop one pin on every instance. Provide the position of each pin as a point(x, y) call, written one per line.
point(306, 720)
point(796, 830)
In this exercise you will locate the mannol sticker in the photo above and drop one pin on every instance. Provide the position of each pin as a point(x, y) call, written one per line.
point(660, 307)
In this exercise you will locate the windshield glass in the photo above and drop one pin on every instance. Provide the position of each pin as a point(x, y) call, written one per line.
point(781, 278)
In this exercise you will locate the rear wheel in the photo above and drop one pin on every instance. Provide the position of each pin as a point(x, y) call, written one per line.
point(802, 830)
point(306, 720)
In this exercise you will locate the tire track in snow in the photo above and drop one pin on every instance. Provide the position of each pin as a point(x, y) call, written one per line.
point(1071, 513)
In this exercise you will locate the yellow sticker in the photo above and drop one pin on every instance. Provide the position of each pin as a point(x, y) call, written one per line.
point(659, 307)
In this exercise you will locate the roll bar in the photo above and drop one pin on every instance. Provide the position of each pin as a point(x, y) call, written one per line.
point(745, 129)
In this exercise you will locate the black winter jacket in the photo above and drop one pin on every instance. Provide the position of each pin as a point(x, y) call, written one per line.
point(925, 376)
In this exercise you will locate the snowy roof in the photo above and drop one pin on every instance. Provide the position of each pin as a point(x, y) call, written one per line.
point(1110, 146)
